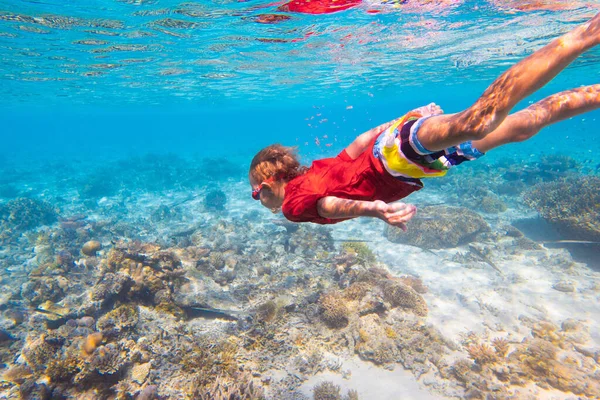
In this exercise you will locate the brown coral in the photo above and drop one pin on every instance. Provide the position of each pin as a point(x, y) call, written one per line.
point(333, 310)
point(357, 290)
point(327, 391)
point(415, 283)
point(18, 374)
point(501, 346)
point(400, 295)
point(38, 352)
point(122, 318)
point(267, 311)
point(482, 354)
point(91, 248)
point(242, 386)
point(63, 369)
point(91, 342)
point(461, 369)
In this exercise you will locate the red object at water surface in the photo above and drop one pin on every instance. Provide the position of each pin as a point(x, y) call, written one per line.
point(318, 6)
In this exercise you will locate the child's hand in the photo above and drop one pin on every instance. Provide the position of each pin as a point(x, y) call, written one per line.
point(429, 110)
point(395, 214)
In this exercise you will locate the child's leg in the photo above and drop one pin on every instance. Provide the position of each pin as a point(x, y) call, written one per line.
point(526, 123)
point(488, 112)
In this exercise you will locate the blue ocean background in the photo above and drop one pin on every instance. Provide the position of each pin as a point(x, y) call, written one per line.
point(171, 77)
point(132, 123)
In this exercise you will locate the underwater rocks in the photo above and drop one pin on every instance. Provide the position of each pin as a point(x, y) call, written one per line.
point(439, 227)
point(215, 200)
point(571, 206)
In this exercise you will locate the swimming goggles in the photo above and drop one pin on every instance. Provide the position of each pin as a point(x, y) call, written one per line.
point(256, 190)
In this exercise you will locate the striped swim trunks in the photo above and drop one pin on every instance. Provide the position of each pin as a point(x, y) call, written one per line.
point(404, 157)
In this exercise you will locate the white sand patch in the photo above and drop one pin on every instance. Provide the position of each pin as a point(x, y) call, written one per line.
point(372, 382)
point(475, 297)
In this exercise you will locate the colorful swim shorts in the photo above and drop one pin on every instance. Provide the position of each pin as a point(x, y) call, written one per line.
point(404, 157)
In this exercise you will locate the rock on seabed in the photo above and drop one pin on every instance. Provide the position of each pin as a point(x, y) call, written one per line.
point(439, 227)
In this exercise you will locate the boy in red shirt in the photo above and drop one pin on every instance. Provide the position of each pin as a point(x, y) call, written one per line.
point(387, 163)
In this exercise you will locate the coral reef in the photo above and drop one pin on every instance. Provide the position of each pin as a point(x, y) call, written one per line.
point(24, 213)
point(327, 391)
point(39, 290)
point(547, 359)
point(548, 168)
point(492, 205)
point(437, 227)
point(482, 354)
point(401, 295)
point(118, 320)
point(333, 310)
point(151, 295)
point(570, 205)
point(91, 247)
point(361, 251)
point(242, 387)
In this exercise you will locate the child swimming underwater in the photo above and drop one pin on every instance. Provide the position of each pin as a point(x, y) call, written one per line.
point(388, 162)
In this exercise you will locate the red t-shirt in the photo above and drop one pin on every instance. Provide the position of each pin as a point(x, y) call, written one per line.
point(318, 6)
point(361, 179)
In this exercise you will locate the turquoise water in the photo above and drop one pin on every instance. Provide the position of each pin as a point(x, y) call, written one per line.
point(132, 123)
point(140, 70)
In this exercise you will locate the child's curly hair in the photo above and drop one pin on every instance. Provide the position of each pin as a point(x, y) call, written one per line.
point(276, 161)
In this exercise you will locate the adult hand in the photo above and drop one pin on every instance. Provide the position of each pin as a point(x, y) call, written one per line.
point(396, 214)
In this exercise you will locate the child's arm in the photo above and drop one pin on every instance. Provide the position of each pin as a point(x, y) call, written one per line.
point(361, 143)
point(394, 214)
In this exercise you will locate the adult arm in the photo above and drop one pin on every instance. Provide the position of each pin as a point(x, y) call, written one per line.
point(394, 213)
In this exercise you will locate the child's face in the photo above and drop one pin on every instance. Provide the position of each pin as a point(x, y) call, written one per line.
point(270, 194)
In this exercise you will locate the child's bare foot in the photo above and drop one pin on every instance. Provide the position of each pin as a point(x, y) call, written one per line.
point(429, 110)
point(589, 32)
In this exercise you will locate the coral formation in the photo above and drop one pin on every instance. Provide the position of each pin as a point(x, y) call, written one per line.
point(91, 342)
point(242, 387)
point(361, 251)
point(570, 205)
point(333, 310)
point(24, 213)
point(91, 247)
point(482, 354)
point(118, 320)
point(501, 346)
point(437, 227)
point(401, 295)
point(492, 205)
point(183, 302)
point(327, 391)
point(39, 290)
